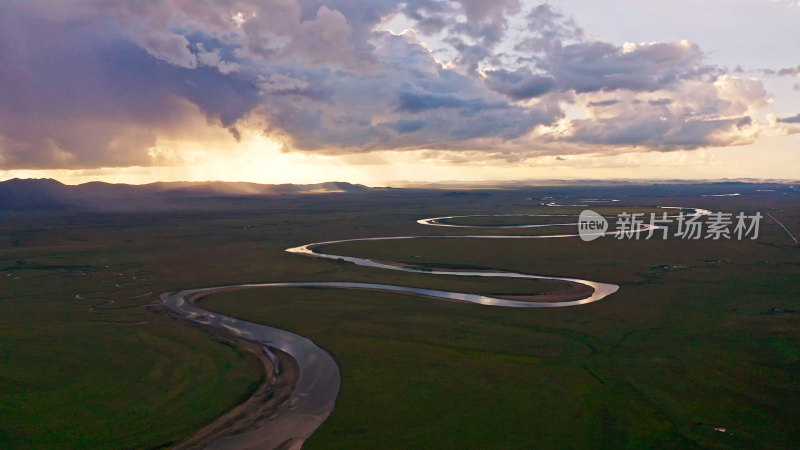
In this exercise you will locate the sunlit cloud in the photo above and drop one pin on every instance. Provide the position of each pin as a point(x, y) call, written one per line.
point(234, 85)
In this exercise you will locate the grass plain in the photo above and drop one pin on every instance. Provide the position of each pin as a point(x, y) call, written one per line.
point(703, 335)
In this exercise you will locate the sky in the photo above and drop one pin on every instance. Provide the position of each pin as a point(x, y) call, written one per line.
point(381, 91)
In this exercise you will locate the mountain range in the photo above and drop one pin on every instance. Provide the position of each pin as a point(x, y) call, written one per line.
point(48, 194)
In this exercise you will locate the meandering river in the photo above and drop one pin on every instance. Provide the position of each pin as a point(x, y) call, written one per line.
point(317, 387)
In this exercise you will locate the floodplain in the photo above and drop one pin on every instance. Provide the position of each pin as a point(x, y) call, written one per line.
point(700, 347)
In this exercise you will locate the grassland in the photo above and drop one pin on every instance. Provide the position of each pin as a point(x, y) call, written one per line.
point(88, 373)
point(550, 215)
point(701, 334)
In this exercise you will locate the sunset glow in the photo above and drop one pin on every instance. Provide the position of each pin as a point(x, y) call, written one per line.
point(276, 92)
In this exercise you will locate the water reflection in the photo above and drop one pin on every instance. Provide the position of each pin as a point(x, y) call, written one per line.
point(314, 396)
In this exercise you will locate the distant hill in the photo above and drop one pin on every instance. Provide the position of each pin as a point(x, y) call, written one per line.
point(49, 195)
point(218, 188)
point(32, 194)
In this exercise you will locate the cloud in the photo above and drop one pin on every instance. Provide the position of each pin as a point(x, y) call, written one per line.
point(602, 103)
point(599, 66)
point(92, 83)
point(486, 21)
point(695, 115)
point(326, 40)
point(786, 125)
point(789, 72)
point(792, 119)
point(521, 84)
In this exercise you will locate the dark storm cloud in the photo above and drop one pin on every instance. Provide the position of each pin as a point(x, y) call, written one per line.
point(408, 126)
point(79, 95)
point(604, 103)
point(521, 84)
point(415, 103)
point(792, 119)
point(88, 84)
point(91, 83)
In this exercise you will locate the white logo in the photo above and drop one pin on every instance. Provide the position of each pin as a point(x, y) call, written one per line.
point(717, 225)
point(591, 225)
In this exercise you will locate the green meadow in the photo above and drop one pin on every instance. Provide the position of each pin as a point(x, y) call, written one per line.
point(699, 348)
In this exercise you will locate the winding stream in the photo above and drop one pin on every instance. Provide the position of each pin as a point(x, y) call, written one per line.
point(314, 396)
